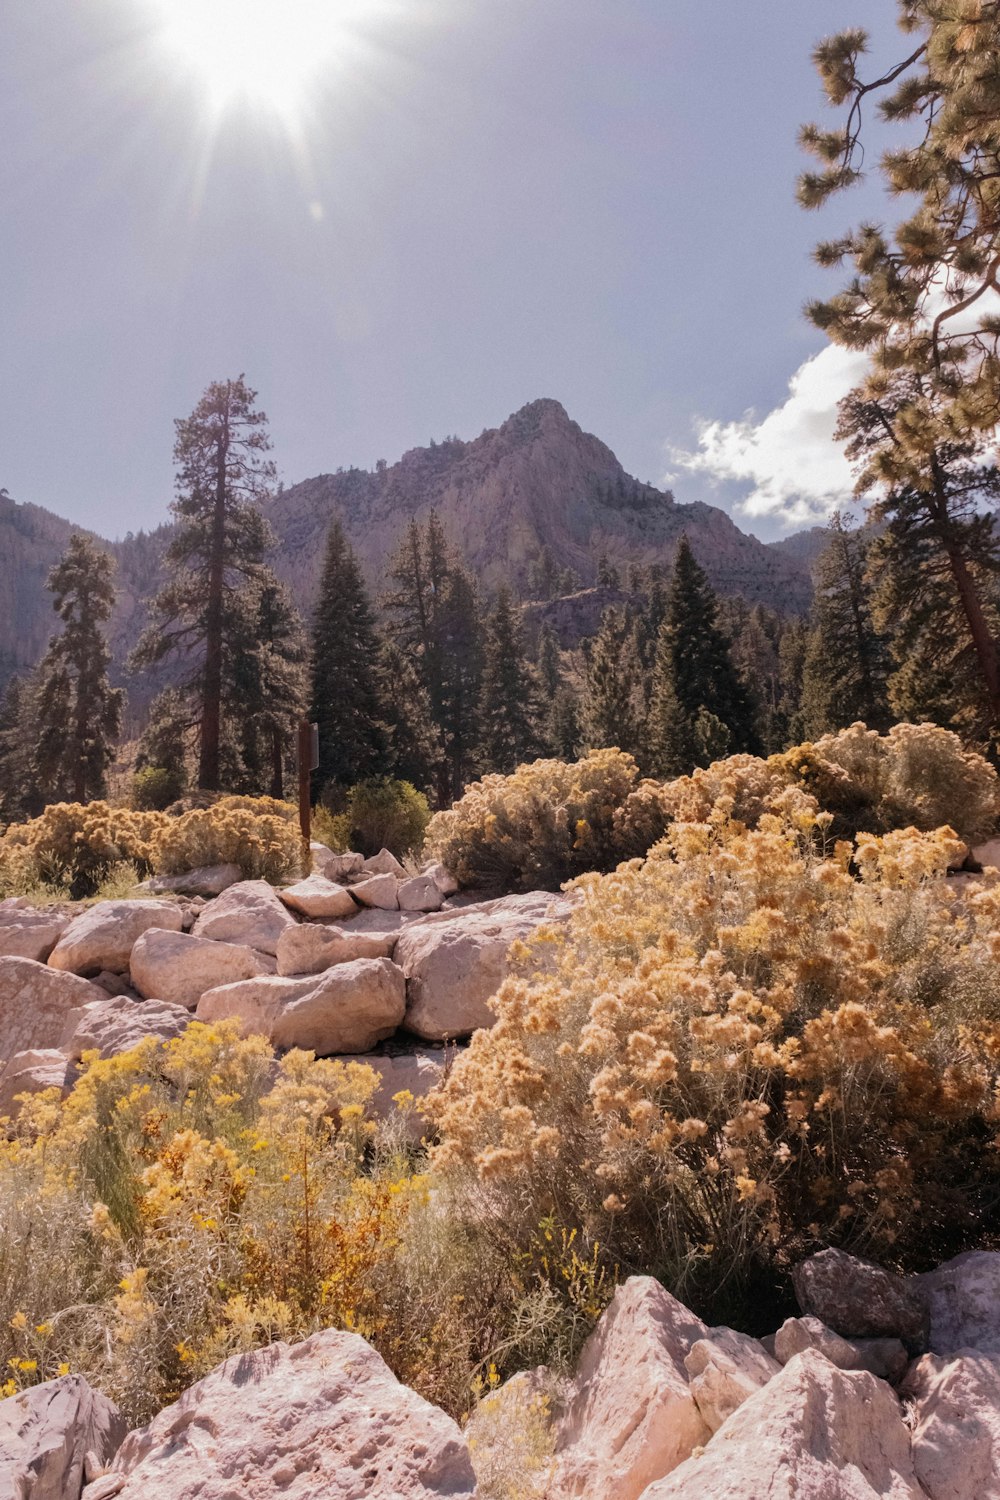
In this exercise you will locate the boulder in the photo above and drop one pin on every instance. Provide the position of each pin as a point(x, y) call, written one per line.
point(456, 961)
point(860, 1300)
point(324, 1418)
point(337, 867)
point(442, 878)
point(35, 1003)
point(420, 893)
point(310, 949)
point(316, 896)
point(988, 854)
point(384, 863)
point(415, 1073)
point(630, 1417)
point(725, 1369)
point(103, 936)
point(963, 1300)
point(179, 967)
point(46, 1433)
point(348, 1008)
point(207, 880)
point(956, 1425)
point(32, 1073)
point(886, 1358)
point(248, 913)
point(25, 933)
point(118, 1024)
point(812, 1433)
point(380, 891)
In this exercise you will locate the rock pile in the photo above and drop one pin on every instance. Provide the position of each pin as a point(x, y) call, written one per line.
point(337, 963)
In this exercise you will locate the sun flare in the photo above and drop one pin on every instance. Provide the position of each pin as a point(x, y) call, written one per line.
point(262, 51)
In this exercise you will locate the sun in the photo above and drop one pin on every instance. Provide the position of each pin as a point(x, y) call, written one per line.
point(260, 51)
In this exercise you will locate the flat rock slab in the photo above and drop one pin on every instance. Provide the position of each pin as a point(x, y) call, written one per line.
point(456, 961)
point(381, 891)
point(25, 933)
point(32, 1073)
point(316, 896)
point(103, 936)
point(46, 1432)
point(321, 1420)
point(110, 1027)
point(179, 967)
point(349, 1008)
point(311, 949)
point(248, 913)
point(812, 1433)
point(207, 880)
point(35, 1004)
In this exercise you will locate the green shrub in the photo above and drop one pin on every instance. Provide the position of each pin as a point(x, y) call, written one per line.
point(256, 833)
point(378, 814)
point(154, 788)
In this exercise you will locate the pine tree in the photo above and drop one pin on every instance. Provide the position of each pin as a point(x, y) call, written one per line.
point(164, 744)
point(510, 707)
point(612, 705)
point(217, 551)
point(549, 662)
point(347, 698)
point(266, 688)
point(921, 301)
point(458, 717)
point(20, 795)
point(846, 662)
point(79, 713)
point(694, 671)
point(565, 734)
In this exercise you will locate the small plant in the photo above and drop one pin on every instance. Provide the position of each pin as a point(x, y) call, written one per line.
point(154, 788)
point(377, 814)
point(258, 834)
point(73, 845)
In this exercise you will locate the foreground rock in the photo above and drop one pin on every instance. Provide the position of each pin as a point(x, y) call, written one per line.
point(812, 1433)
point(963, 1303)
point(248, 913)
point(886, 1358)
point(207, 880)
point(103, 936)
point(338, 867)
point(421, 893)
point(725, 1369)
point(33, 1073)
point(324, 1418)
point(316, 896)
point(956, 1425)
point(380, 891)
point(414, 1073)
point(25, 933)
point(384, 863)
point(456, 961)
point(46, 1433)
point(179, 967)
point(311, 949)
point(349, 1008)
point(631, 1417)
point(35, 1004)
point(860, 1300)
point(110, 1027)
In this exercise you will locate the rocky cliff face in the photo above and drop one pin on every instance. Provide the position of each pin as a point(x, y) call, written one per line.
point(538, 481)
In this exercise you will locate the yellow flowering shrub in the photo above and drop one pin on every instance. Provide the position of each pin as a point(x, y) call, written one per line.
point(259, 834)
point(737, 1052)
point(548, 821)
point(73, 844)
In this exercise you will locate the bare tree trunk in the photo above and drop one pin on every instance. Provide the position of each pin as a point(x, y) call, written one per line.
point(983, 642)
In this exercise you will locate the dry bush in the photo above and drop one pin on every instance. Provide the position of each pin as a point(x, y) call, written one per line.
point(73, 845)
point(736, 1053)
point(549, 821)
point(259, 834)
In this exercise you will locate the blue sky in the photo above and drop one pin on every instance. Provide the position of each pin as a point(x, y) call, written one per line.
point(477, 203)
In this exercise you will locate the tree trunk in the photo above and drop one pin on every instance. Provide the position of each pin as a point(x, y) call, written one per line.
point(982, 638)
point(211, 714)
point(277, 765)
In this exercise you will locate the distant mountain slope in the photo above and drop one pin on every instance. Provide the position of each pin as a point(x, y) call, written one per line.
point(537, 481)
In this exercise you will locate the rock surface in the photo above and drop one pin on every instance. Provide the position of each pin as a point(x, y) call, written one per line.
point(207, 880)
point(316, 896)
point(380, 891)
point(860, 1300)
point(420, 893)
point(25, 933)
point(103, 936)
point(384, 863)
point(310, 949)
point(32, 1073)
point(46, 1432)
point(963, 1302)
point(956, 1425)
point(35, 1003)
point(812, 1433)
point(179, 967)
point(247, 913)
point(886, 1358)
point(630, 1417)
point(320, 1420)
point(456, 961)
point(117, 1024)
point(337, 867)
point(415, 1073)
point(725, 1369)
point(349, 1008)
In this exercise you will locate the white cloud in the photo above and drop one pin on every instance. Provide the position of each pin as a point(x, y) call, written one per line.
point(796, 471)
